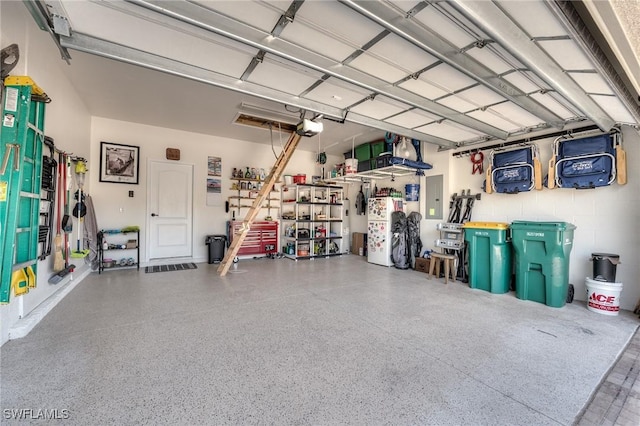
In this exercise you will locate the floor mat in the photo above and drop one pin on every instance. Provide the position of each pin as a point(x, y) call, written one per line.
point(174, 267)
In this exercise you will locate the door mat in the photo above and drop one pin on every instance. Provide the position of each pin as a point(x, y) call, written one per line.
point(167, 268)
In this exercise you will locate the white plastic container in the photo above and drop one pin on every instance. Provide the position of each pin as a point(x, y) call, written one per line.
point(350, 166)
point(603, 297)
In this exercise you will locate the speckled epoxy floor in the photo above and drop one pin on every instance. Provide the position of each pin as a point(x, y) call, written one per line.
point(330, 341)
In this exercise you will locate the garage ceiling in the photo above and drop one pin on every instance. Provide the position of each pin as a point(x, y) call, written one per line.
point(451, 73)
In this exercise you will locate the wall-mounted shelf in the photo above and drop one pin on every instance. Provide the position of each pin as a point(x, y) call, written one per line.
point(247, 189)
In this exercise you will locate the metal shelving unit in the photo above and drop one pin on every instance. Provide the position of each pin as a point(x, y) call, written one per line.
point(312, 218)
point(117, 243)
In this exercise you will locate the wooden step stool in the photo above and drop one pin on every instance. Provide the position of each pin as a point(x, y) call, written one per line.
point(449, 266)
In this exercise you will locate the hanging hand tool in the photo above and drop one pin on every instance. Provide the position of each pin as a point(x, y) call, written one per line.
point(477, 158)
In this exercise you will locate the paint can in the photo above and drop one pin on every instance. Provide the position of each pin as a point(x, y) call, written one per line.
point(603, 297)
point(412, 191)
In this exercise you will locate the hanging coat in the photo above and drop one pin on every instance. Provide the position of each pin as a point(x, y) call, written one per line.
point(360, 204)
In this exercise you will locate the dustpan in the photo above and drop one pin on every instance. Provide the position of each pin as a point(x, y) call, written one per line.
point(80, 253)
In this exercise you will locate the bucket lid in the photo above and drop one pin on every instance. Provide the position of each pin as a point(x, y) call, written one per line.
point(486, 225)
point(613, 258)
point(593, 282)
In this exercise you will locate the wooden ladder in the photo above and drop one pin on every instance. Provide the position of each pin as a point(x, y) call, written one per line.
point(263, 194)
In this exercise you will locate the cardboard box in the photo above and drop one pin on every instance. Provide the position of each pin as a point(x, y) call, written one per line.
point(422, 264)
point(359, 243)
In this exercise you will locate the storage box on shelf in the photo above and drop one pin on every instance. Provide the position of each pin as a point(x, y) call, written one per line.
point(116, 248)
point(312, 221)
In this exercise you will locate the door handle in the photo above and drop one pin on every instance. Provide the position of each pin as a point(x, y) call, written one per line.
point(153, 215)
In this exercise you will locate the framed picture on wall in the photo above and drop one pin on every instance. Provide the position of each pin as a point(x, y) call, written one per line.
point(119, 163)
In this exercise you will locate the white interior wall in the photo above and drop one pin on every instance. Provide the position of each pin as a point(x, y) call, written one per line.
point(67, 121)
point(116, 209)
point(606, 218)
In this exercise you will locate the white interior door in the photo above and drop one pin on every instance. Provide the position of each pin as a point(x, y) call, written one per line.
point(170, 209)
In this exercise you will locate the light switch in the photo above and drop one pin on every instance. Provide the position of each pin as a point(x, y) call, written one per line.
point(130, 194)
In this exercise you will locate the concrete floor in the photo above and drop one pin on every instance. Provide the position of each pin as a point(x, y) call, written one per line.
point(330, 341)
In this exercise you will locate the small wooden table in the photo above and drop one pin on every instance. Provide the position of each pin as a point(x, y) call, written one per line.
point(449, 266)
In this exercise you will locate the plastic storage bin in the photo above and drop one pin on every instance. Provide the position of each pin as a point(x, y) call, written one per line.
point(542, 251)
point(217, 245)
point(489, 256)
point(363, 152)
point(377, 148)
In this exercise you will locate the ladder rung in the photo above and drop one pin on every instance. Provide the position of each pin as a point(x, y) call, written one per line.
point(34, 128)
point(23, 264)
point(29, 195)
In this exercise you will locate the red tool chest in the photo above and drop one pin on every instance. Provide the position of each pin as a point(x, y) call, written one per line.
point(261, 239)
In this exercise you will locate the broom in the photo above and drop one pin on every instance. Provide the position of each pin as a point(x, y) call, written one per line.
point(58, 259)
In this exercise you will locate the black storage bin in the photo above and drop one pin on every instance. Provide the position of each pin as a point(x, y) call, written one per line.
point(383, 161)
point(217, 245)
point(604, 266)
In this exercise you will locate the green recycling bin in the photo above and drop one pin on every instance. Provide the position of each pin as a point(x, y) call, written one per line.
point(489, 256)
point(542, 252)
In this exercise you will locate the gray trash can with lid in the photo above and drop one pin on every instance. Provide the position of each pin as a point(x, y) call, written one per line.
point(217, 245)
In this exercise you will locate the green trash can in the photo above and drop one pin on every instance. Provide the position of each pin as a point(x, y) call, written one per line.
point(489, 256)
point(542, 252)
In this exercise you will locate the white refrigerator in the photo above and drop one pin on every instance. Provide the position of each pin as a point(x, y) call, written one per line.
point(379, 228)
